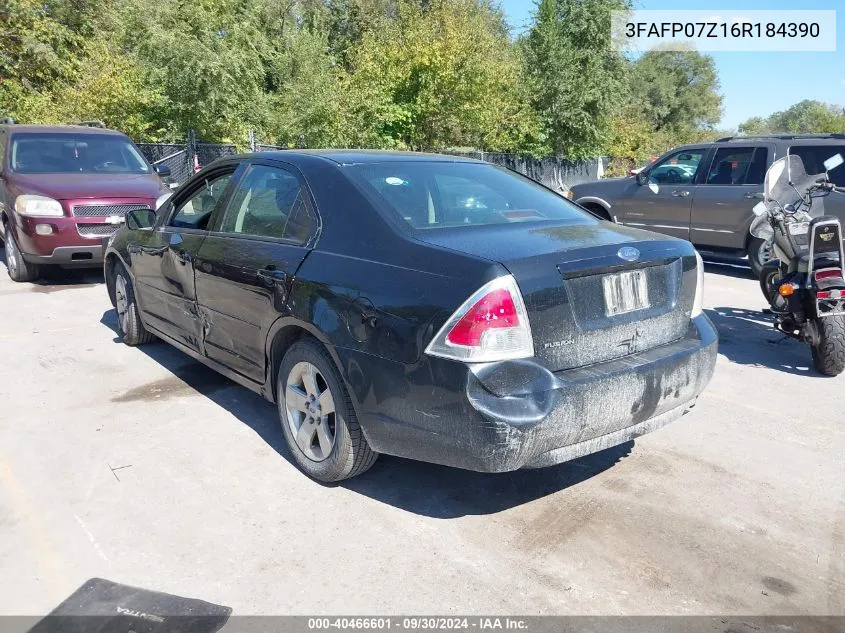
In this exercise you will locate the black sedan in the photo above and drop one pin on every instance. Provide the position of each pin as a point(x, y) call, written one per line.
point(425, 306)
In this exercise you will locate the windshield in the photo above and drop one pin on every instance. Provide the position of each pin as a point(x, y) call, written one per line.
point(43, 152)
point(787, 183)
point(430, 195)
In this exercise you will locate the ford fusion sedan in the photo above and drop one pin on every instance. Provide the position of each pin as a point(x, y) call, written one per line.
point(424, 306)
point(64, 190)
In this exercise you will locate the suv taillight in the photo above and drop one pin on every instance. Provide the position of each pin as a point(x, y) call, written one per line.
point(491, 325)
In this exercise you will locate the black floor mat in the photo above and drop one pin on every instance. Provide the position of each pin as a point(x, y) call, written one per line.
point(102, 606)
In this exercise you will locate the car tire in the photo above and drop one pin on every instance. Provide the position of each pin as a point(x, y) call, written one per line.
point(129, 323)
point(759, 252)
point(317, 417)
point(18, 268)
point(829, 354)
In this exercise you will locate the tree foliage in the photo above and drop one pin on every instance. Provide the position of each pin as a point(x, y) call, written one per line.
point(420, 74)
point(576, 79)
point(676, 90)
point(805, 117)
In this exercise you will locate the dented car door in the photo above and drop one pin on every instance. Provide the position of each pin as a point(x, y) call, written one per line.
point(163, 259)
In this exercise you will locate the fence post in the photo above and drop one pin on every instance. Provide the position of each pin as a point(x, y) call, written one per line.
point(191, 147)
point(252, 140)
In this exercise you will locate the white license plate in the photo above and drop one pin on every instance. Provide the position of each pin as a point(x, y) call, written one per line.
point(625, 292)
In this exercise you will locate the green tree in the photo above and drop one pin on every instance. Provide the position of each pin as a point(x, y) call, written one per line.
point(806, 117)
point(438, 76)
point(678, 91)
point(577, 81)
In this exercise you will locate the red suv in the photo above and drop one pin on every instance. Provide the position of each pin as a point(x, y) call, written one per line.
point(64, 191)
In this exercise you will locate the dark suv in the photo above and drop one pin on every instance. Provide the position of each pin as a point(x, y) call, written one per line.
point(64, 191)
point(705, 193)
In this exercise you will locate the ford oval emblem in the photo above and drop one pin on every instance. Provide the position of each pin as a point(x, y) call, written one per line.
point(629, 253)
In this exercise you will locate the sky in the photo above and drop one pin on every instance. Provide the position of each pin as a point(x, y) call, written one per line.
point(758, 83)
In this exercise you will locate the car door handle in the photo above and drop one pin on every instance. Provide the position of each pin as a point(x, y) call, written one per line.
point(270, 275)
point(751, 195)
point(680, 194)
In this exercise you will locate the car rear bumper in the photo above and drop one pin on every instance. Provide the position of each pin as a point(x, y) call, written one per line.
point(517, 414)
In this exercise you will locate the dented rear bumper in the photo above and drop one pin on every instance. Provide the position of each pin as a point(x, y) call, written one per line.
point(515, 414)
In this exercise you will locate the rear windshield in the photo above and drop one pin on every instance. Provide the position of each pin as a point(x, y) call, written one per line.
point(429, 195)
point(43, 153)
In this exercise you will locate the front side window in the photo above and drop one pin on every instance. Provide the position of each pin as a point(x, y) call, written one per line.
point(430, 195)
point(679, 168)
point(814, 157)
point(269, 202)
point(195, 212)
point(51, 153)
point(738, 166)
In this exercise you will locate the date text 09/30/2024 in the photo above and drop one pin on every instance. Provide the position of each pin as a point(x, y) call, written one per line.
point(416, 623)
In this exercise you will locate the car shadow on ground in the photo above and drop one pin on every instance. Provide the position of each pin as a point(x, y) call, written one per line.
point(417, 487)
point(748, 337)
point(737, 271)
point(55, 278)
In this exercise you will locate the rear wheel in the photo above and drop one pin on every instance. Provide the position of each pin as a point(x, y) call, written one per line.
point(18, 268)
point(829, 354)
point(128, 318)
point(759, 252)
point(317, 418)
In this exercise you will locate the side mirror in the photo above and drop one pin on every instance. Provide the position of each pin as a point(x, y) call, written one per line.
point(642, 178)
point(162, 170)
point(140, 219)
point(833, 162)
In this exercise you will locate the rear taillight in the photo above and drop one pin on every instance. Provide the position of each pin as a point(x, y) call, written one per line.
point(491, 325)
point(830, 294)
point(827, 273)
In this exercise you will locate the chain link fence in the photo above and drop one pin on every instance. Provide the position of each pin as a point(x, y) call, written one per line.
point(185, 157)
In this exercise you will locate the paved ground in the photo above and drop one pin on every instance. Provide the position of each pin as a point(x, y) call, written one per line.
point(141, 466)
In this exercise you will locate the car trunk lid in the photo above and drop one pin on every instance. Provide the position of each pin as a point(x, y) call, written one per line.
point(577, 287)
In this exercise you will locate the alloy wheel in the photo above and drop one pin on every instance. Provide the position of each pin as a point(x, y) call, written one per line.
point(121, 303)
point(310, 409)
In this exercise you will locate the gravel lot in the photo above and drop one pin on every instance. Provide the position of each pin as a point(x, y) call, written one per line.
point(145, 468)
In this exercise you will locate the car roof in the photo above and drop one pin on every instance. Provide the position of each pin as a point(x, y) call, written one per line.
point(61, 129)
point(359, 156)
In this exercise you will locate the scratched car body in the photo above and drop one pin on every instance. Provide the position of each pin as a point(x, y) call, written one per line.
point(424, 306)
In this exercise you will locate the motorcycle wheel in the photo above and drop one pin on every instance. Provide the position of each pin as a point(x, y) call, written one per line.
point(829, 354)
point(769, 274)
point(759, 254)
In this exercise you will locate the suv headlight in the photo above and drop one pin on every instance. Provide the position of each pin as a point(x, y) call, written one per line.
point(697, 303)
point(38, 206)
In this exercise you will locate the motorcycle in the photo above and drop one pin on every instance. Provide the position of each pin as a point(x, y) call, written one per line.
point(804, 283)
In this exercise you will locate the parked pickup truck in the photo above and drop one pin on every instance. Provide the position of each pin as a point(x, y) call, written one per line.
point(704, 193)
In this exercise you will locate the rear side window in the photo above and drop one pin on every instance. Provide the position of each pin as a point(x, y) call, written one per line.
point(269, 202)
point(738, 166)
point(429, 195)
point(814, 157)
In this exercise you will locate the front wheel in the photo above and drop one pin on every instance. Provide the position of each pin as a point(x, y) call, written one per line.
point(829, 353)
point(18, 268)
point(759, 252)
point(769, 274)
point(128, 318)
